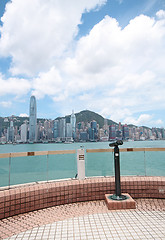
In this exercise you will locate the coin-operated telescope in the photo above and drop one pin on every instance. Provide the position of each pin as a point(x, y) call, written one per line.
point(116, 143)
point(117, 195)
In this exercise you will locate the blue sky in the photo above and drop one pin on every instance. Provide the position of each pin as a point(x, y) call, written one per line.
point(103, 55)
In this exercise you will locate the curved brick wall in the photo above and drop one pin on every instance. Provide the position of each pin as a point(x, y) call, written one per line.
point(33, 197)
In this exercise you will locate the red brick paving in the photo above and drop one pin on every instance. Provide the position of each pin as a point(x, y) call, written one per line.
point(22, 222)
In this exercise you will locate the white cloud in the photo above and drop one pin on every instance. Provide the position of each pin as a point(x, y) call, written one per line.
point(113, 71)
point(49, 83)
point(23, 115)
point(160, 14)
point(158, 122)
point(36, 33)
point(144, 119)
point(14, 86)
point(6, 104)
point(123, 69)
point(141, 120)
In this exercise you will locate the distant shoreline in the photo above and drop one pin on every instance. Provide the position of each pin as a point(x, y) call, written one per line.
point(49, 142)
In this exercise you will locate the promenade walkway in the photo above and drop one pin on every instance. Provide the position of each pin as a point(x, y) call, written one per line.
point(88, 220)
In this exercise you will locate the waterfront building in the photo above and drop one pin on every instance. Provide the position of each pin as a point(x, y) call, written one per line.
point(24, 132)
point(10, 132)
point(3, 139)
point(84, 136)
point(33, 120)
point(6, 120)
point(106, 127)
point(125, 132)
point(120, 126)
point(79, 126)
point(49, 134)
point(119, 134)
point(69, 130)
point(137, 136)
point(101, 133)
point(56, 129)
point(90, 133)
point(73, 124)
point(163, 133)
point(155, 133)
point(46, 127)
point(149, 133)
point(62, 128)
point(112, 132)
point(16, 130)
point(17, 138)
point(93, 130)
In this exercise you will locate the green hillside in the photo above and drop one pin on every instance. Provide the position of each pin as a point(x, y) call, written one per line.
point(17, 121)
point(87, 116)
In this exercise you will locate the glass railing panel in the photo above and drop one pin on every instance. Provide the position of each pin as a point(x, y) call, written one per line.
point(155, 163)
point(28, 169)
point(62, 166)
point(132, 163)
point(4, 172)
point(99, 164)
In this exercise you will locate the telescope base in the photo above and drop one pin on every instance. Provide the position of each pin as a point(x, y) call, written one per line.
point(115, 204)
point(118, 198)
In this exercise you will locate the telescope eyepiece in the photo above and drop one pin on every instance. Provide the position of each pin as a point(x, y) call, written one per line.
point(116, 143)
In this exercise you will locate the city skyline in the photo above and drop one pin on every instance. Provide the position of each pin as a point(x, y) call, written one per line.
point(68, 129)
point(103, 55)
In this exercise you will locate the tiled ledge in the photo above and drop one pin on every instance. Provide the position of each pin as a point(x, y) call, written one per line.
point(38, 196)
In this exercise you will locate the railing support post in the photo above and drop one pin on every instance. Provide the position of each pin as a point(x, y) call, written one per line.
point(80, 164)
point(47, 166)
point(9, 168)
point(145, 164)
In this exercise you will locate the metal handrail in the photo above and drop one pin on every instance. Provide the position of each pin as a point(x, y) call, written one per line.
point(37, 153)
point(40, 153)
point(125, 150)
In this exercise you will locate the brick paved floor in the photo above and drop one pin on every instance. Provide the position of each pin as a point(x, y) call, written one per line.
point(89, 220)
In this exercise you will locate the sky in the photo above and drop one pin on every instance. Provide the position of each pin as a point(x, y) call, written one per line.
point(107, 56)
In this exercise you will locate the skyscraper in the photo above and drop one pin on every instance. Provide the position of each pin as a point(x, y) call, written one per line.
point(62, 128)
point(112, 132)
point(125, 132)
point(94, 129)
point(24, 132)
point(10, 132)
point(73, 123)
point(33, 120)
point(56, 129)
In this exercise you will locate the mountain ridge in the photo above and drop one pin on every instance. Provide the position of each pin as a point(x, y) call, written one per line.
point(88, 116)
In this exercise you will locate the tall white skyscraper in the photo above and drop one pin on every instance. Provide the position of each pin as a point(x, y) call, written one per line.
point(33, 120)
point(73, 123)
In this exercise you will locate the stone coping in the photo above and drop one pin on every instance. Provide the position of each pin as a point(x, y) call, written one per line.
point(32, 197)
